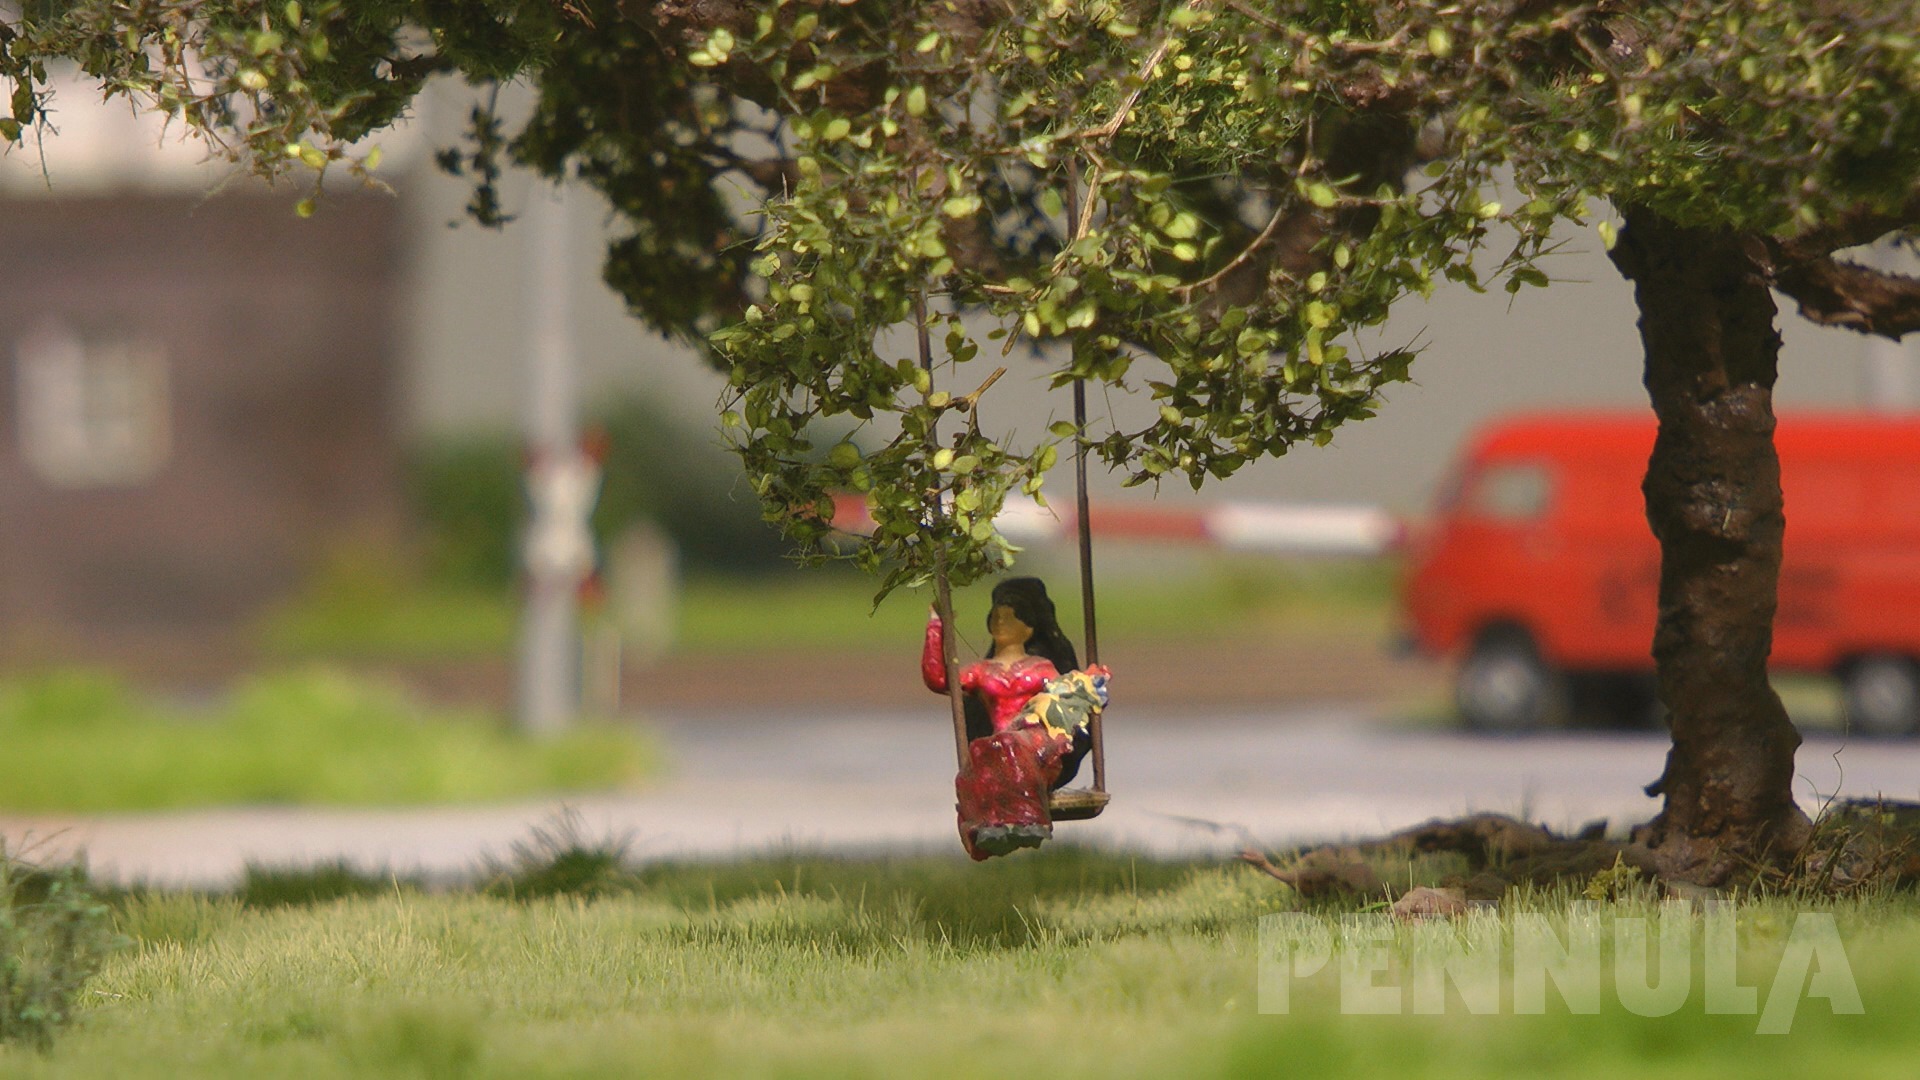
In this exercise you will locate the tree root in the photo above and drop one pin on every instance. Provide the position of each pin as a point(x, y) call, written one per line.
point(1855, 845)
point(1499, 853)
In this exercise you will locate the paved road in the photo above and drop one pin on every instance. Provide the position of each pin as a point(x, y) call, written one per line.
point(1182, 784)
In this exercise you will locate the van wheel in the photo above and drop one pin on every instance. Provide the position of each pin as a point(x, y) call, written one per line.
point(1505, 685)
point(1617, 701)
point(1882, 695)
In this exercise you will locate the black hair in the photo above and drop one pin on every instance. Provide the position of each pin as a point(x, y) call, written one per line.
point(1027, 596)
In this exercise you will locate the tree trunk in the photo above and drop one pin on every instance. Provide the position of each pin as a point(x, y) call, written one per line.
point(1713, 498)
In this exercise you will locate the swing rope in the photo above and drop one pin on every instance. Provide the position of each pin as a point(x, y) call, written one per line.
point(1086, 572)
point(942, 594)
point(1082, 521)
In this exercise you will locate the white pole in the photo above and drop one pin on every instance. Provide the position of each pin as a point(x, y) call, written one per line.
point(1887, 381)
point(554, 556)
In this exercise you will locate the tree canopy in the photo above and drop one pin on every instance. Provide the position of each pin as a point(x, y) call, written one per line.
point(1234, 191)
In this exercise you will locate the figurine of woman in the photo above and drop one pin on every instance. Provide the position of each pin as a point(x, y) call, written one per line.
point(1028, 706)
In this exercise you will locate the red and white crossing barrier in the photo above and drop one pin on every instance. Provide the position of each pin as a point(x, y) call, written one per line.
point(1275, 527)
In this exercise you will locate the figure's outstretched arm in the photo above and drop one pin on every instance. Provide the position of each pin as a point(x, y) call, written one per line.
point(933, 655)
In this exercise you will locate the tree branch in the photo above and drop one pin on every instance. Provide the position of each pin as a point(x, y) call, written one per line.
point(1239, 260)
point(1835, 293)
point(1849, 229)
point(1140, 79)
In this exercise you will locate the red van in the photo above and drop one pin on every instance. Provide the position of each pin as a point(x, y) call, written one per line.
point(1539, 574)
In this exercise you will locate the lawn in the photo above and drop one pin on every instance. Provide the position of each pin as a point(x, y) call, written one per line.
point(1142, 595)
point(83, 741)
point(1195, 600)
point(1061, 964)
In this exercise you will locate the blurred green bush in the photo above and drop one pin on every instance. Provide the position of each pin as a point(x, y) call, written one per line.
point(53, 937)
point(468, 498)
point(81, 740)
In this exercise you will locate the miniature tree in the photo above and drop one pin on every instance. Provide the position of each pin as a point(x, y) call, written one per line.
point(1215, 200)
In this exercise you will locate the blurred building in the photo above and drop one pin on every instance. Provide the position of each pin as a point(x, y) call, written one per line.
point(203, 395)
point(202, 392)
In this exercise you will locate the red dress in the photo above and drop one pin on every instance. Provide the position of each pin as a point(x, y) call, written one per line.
point(1004, 688)
point(1002, 793)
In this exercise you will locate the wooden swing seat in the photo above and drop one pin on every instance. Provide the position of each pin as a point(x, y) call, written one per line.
point(1076, 804)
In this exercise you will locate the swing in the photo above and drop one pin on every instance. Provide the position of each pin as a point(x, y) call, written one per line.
point(1065, 804)
point(1080, 804)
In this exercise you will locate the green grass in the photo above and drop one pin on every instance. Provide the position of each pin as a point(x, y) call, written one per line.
point(1208, 598)
point(1218, 599)
point(831, 609)
point(363, 601)
point(82, 741)
point(406, 625)
point(1061, 964)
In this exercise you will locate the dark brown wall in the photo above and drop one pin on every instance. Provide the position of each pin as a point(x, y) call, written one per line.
point(280, 334)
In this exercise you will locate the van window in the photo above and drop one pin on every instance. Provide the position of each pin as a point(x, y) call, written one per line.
point(1511, 492)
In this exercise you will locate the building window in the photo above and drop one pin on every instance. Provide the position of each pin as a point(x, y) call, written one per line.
point(93, 413)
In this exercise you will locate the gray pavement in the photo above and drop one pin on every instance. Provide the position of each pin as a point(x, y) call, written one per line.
point(882, 782)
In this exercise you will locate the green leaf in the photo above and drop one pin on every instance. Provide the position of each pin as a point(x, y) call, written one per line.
point(1527, 275)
